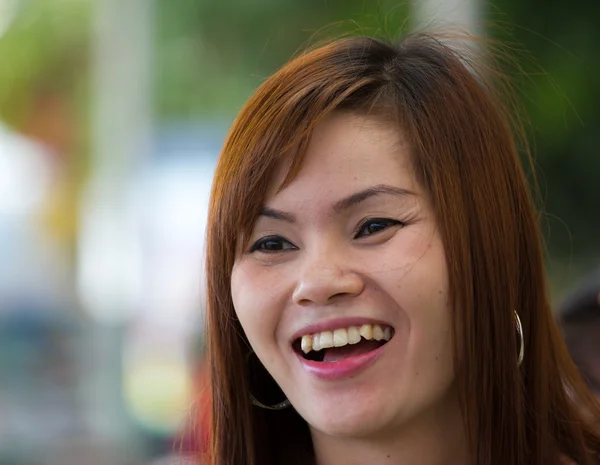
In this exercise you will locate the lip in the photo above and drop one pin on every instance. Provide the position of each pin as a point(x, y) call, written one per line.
point(332, 371)
point(337, 323)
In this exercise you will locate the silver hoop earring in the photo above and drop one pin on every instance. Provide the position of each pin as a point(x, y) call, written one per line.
point(280, 406)
point(521, 338)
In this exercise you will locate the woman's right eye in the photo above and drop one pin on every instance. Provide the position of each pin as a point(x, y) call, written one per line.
point(272, 244)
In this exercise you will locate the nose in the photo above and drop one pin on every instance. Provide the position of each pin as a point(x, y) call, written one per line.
point(325, 279)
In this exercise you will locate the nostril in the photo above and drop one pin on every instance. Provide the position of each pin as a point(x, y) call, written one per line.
point(322, 287)
point(324, 299)
point(340, 294)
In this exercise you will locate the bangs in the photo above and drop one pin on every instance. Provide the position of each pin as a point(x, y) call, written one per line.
point(365, 99)
point(284, 140)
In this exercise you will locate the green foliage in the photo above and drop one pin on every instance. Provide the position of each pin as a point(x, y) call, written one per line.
point(562, 100)
point(212, 55)
point(42, 50)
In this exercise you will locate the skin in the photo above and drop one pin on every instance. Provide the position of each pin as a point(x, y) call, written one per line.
point(327, 263)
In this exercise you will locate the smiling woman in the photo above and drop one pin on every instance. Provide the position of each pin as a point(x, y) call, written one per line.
point(375, 273)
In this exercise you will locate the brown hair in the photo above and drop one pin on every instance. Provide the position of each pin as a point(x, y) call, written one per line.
point(465, 156)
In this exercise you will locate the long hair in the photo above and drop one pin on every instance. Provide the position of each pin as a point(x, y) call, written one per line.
point(464, 152)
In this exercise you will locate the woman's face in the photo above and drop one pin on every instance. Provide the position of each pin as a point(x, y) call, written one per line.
point(351, 243)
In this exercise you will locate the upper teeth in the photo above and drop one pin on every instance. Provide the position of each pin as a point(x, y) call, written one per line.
point(343, 336)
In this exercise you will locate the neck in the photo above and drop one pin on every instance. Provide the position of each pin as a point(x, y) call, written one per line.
point(437, 438)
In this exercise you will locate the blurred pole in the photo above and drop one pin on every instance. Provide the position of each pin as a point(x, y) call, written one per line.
point(108, 265)
point(464, 14)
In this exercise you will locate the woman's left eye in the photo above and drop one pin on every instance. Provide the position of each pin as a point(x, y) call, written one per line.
point(375, 225)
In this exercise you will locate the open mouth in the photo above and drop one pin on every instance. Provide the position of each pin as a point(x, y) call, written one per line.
point(343, 343)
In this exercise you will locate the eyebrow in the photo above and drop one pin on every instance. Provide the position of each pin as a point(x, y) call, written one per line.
point(269, 212)
point(361, 196)
point(343, 204)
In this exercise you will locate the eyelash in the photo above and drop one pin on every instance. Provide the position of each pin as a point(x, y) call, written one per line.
point(386, 222)
point(256, 247)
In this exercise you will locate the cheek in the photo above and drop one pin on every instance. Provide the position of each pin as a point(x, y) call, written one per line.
point(427, 286)
point(409, 249)
point(413, 268)
point(432, 321)
point(420, 288)
point(246, 299)
point(255, 302)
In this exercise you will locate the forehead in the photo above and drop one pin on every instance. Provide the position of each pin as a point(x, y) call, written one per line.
point(348, 151)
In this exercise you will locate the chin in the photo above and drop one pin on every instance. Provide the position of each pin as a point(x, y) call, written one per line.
point(344, 421)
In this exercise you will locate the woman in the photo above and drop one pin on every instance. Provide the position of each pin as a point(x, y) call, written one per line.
point(376, 289)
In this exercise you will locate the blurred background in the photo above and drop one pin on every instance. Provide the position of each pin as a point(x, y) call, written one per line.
point(112, 115)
